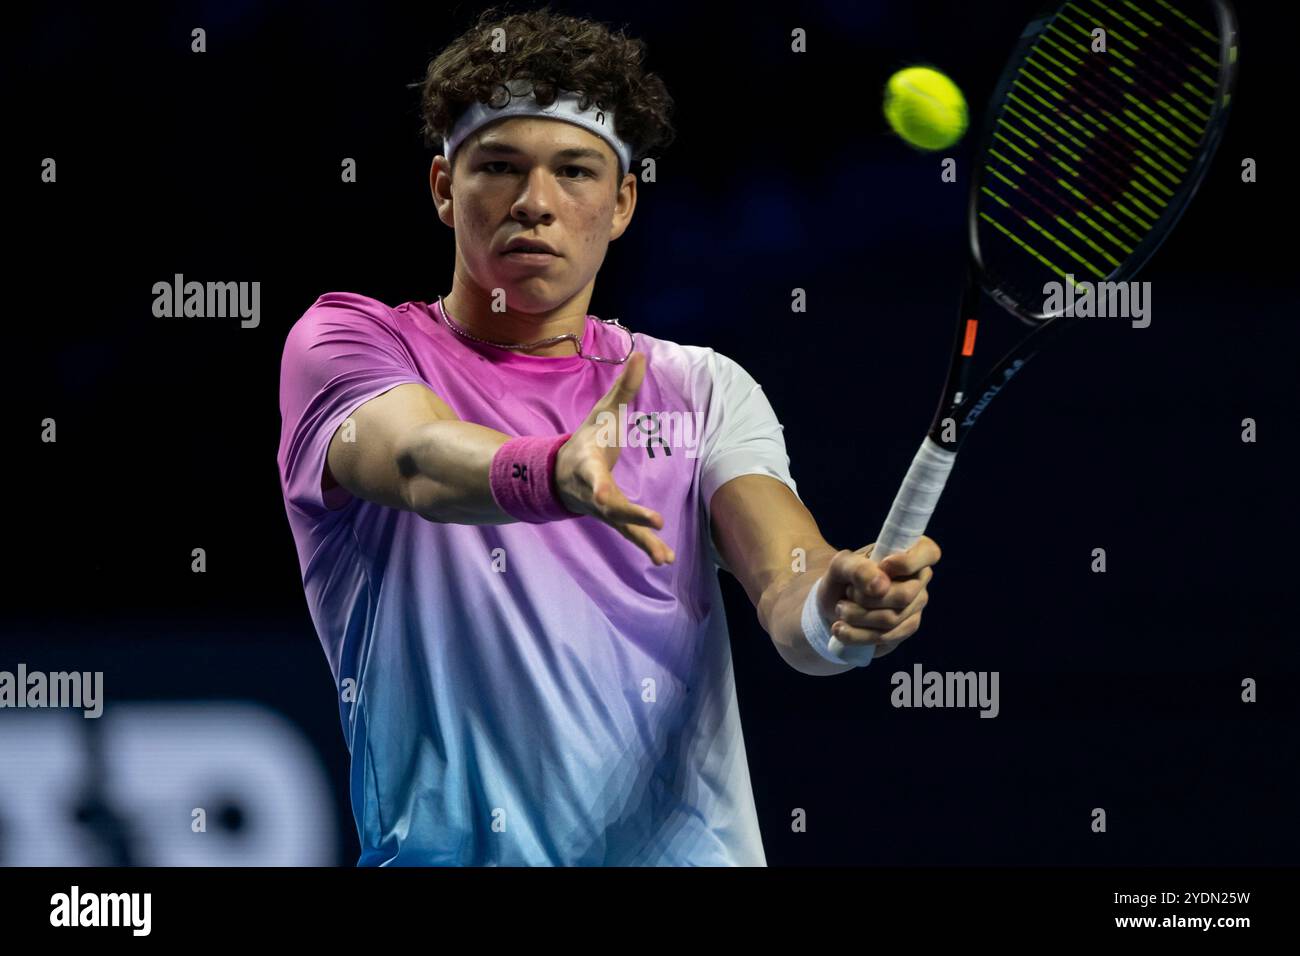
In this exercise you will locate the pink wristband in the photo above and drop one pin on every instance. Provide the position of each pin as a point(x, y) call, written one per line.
point(523, 479)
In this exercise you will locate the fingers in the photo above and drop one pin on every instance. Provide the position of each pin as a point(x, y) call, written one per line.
point(602, 428)
point(659, 552)
point(586, 477)
point(906, 563)
point(853, 569)
point(586, 486)
point(898, 595)
point(627, 384)
point(632, 521)
point(848, 634)
point(880, 619)
point(880, 603)
point(613, 508)
point(847, 570)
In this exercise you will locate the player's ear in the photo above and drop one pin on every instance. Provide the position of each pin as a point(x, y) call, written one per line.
point(440, 189)
point(624, 205)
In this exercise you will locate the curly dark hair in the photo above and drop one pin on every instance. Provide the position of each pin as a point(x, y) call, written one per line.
point(557, 52)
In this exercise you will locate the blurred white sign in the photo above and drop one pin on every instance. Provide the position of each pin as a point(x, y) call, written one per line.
point(70, 796)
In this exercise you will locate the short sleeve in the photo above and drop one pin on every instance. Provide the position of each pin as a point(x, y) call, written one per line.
point(344, 350)
point(741, 437)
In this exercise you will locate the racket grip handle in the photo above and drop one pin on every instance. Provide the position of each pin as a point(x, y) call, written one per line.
point(908, 516)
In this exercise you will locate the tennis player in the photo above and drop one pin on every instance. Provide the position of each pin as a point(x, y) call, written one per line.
point(510, 515)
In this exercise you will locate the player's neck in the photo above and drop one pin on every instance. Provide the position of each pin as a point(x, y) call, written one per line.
point(470, 308)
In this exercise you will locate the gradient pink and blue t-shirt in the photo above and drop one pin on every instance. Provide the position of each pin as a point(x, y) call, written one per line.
point(528, 694)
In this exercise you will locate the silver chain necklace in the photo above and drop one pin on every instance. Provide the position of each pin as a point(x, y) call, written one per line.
point(569, 336)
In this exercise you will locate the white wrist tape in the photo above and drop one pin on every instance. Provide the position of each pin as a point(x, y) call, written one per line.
point(818, 632)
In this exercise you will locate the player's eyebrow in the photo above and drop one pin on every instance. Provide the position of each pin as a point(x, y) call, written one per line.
point(500, 148)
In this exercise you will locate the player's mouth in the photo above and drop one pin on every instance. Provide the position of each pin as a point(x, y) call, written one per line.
point(522, 256)
point(529, 251)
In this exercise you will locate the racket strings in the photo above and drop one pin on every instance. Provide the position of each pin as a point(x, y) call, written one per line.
point(1115, 102)
point(1110, 159)
point(1089, 150)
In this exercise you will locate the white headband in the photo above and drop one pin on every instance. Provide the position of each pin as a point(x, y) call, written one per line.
point(523, 103)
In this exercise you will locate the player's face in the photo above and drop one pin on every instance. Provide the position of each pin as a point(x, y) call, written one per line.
point(542, 180)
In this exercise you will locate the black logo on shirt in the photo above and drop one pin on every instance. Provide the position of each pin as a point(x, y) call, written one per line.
point(653, 437)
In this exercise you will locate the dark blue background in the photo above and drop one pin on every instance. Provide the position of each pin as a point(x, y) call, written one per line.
point(1118, 690)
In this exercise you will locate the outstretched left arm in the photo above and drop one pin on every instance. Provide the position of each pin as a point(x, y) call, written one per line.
point(758, 523)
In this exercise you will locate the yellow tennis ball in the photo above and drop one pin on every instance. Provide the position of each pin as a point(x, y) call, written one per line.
point(925, 108)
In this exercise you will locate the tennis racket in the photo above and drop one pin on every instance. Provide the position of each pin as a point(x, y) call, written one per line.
point(1086, 162)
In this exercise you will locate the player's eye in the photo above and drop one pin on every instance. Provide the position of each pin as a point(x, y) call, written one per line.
point(495, 162)
point(586, 173)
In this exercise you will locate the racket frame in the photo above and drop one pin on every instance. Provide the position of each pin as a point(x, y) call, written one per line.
point(963, 403)
point(960, 402)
